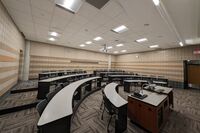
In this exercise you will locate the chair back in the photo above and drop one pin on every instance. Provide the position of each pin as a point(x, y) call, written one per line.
point(108, 105)
point(50, 95)
point(41, 106)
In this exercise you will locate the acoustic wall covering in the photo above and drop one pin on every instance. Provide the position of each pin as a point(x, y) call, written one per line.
point(167, 63)
point(44, 57)
point(11, 41)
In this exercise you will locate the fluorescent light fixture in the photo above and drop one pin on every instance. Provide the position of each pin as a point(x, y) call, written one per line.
point(82, 45)
point(123, 51)
point(109, 47)
point(181, 44)
point(55, 34)
point(156, 2)
point(120, 29)
point(52, 39)
point(88, 42)
point(115, 52)
point(71, 5)
point(98, 38)
point(193, 41)
point(154, 46)
point(120, 45)
point(142, 40)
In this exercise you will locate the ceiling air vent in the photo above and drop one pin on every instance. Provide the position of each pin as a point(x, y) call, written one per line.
point(97, 3)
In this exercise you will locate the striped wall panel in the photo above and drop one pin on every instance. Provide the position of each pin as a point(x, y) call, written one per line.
point(167, 63)
point(9, 67)
point(43, 63)
point(11, 41)
point(171, 70)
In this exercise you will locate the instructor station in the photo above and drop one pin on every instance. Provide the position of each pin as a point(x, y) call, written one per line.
point(99, 66)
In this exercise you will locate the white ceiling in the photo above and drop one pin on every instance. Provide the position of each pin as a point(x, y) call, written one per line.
point(35, 18)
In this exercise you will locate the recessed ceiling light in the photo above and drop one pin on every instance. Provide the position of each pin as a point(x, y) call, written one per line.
point(115, 52)
point(181, 44)
point(53, 34)
point(154, 46)
point(98, 38)
point(193, 41)
point(71, 5)
point(82, 45)
point(120, 45)
point(120, 29)
point(142, 40)
point(123, 51)
point(156, 2)
point(52, 39)
point(88, 42)
point(109, 47)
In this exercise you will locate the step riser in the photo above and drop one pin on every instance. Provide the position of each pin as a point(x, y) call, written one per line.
point(18, 108)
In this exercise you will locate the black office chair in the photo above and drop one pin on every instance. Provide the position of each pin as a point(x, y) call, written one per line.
point(50, 95)
point(102, 103)
point(109, 108)
point(41, 106)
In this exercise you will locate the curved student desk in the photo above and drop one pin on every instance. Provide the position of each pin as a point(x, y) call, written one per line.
point(56, 117)
point(46, 75)
point(44, 85)
point(112, 95)
point(127, 83)
point(121, 78)
point(119, 105)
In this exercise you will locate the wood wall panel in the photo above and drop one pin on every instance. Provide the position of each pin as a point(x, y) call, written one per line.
point(11, 41)
point(43, 63)
point(167, 63)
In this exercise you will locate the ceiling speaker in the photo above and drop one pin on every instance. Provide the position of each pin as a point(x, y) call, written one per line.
point(97, 3)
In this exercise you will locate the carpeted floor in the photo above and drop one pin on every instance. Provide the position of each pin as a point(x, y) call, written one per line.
point(184, 119)
point(26, 85)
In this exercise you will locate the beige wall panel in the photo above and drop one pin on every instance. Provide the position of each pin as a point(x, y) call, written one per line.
point(46, 57)
point(11, 41)
point(168, 63)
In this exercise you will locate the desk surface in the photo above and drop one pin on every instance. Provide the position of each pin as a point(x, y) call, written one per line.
point(111, 72)
point(56, 72)
point(122, 75)
point(160, 82)
point(62, 77)
point(136, 81)
point(166, 90)
point(113, 96)
point(61, 104)
point(153, 98)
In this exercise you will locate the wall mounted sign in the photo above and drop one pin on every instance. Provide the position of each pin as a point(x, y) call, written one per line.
point(196, 51)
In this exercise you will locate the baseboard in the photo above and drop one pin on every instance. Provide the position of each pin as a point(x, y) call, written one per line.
point(23, 90)
point(18, 108)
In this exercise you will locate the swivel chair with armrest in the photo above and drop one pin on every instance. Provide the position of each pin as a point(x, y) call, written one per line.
point(109, 108)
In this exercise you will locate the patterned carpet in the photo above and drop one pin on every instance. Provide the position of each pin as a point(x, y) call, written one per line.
point(184, 119)
point(26, 85)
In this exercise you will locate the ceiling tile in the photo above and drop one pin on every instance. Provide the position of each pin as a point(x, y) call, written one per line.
point(112, 9)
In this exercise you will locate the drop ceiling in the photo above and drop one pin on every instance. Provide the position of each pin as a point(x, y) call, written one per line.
point(36, 18)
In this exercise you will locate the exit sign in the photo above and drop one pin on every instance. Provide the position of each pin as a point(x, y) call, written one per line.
point(196, 51)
